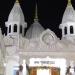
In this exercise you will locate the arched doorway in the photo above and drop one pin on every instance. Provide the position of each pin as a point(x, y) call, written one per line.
point(44, 71)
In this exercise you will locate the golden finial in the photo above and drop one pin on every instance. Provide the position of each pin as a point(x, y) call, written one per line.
point(69, 2)
point(17, 1)
point(36, 15)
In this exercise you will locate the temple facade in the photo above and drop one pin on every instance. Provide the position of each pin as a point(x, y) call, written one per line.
point(39, 51)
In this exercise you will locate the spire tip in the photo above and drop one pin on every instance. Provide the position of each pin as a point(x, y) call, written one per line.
point(69, 2)
point(36, 15)
point(17, 1)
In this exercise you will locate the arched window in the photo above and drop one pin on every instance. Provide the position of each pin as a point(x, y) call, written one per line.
point(71, 29)
point(21, 29)
point(15, 27)
point(9, 28)
point(65, 30)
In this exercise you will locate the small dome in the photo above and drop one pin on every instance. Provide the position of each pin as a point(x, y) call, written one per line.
point(34, 31)
point(16, 14)
point(69, 14)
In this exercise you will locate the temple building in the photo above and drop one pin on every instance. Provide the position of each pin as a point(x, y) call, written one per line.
point(40, 51)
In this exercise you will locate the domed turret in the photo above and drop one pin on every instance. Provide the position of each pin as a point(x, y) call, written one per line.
point(16, 13)
point(68, 22)
point(16, 23)
point(69, 14)
point(35, 29)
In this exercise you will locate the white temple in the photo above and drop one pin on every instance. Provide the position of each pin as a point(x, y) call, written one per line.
point(40, 51)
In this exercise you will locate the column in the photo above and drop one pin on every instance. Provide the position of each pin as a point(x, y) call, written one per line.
point(24, 67)
point(12, 29)
point(7, 30)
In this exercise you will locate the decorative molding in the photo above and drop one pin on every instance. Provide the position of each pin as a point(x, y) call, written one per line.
point(48, 37)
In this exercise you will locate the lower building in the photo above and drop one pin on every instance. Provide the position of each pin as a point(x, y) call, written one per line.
point(39, 51)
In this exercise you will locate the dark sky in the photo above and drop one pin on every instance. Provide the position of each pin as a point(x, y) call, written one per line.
point(50, 12)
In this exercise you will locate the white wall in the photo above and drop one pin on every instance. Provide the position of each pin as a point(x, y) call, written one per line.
point(10, 67)
point(1, 70)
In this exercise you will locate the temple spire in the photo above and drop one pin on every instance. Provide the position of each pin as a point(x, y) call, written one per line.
point(69, 2)
point(17, 1)
point(36, 14)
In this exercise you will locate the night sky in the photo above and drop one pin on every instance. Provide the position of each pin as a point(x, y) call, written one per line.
point(50, 12)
